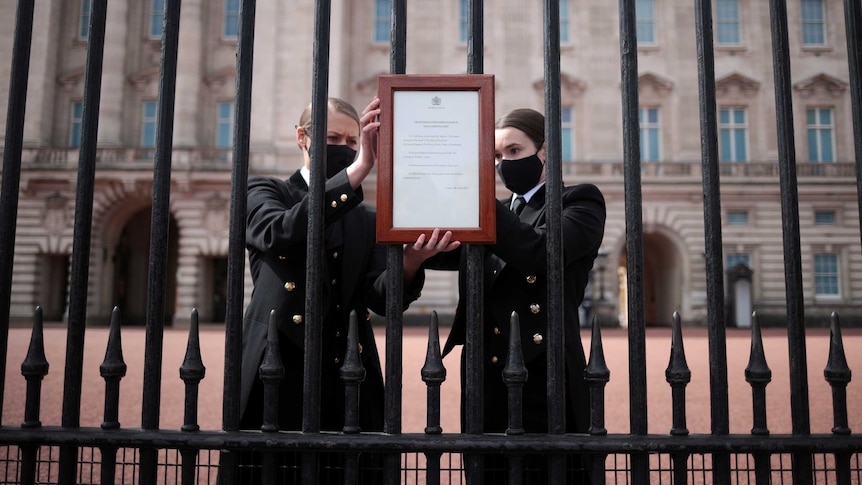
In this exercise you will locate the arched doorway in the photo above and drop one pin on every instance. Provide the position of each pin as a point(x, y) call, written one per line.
point(662, 277)
point(130, 259)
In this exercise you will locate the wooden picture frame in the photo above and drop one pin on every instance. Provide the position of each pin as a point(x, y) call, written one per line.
point(435, 164)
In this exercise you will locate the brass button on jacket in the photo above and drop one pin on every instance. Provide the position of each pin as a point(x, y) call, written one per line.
point(496, 330)
point(297, 319)
point(537, 338)
point(535, 308)
point(290, 286)
point(531, 279)
point(334, 204)
point(343, 197)
point(494, 359)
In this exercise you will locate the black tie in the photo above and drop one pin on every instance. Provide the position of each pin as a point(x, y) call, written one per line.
point(518, 205)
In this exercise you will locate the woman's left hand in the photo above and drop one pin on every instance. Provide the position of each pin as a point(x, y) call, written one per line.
point(415, 254)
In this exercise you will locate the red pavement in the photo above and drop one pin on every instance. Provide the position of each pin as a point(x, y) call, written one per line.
point(615, 348)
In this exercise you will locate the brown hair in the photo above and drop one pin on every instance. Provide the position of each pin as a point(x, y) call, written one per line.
point(334, 105)
point(530, 121)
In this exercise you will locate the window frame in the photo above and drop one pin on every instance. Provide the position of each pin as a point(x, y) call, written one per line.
point(381, 33)
point(817, 22)
point(222, 122)
point(76, 123)
point(157, 19)
point(84, 14)
point(731, 259)
point(567, 134)
point(817, 129)
point(646, 21)
point(726, 21)
point(463, 21)
point(565, 22)
point(833, 272)
point(149, 121)
point(649, 127)
point(731, 220)
point(732, 127)
point(230, 19)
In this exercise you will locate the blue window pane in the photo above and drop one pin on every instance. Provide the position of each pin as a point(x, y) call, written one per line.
point(463, 20)
point(826, 146)
point(148, 139)
point(84, 26)
point(825, 116)
point(739, 140)
point(726, 149)
point(77, 110)
point(653, 145)
point(382, 20)
point(739, 116)
point(813, 156)
point(567, 144)
point(824, 218)
point(150, 109)
point(826, 274)
point(564, 21)
point(231, 19)
point(724, 116)
point(811, 116)
point(157, 18)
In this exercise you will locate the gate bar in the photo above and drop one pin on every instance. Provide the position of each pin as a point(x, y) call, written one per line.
point(159, 228)
point(853, 32)
point(12, 148)
point(473, 351)
point(719, 417)
point(79, 278)
point(634, 234)
point(394, 275)
point(802, 466)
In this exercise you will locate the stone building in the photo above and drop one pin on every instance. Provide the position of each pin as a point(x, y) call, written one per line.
point(674, 265)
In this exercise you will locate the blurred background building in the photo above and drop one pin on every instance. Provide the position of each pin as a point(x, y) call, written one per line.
point(674, 265)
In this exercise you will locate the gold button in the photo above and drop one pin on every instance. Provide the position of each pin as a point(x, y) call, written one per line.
point(282, 257)
point(496, 330)
point(297, 319)
point(535, 308)
point(334, 204)
point(290, 286)
point(494, 360)
point(334, 254)
point(360, 348)
point(337, 361)
point(343, 197)
point(531, 279)
point(494, 272)
point(537, 338)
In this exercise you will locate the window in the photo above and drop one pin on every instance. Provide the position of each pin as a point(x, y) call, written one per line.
point(737, 218)
point(75, 124)
point(84, 25)
point(231, 19)
point(567, 130)
point(727, 22)
point(826, 274)
point(645, 14)
point(224, 125)
point(824, 218)
point(564, 22)
point(650, 131)
point(733, 129)
point(157, 18)
point(382, 21)
point(463, 16)
point(820, 143)
point(813, 23)
point(732, 259)
point(148, 124)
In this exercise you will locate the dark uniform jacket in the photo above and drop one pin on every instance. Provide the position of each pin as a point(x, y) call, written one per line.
point(353, 273)
point(515, 270)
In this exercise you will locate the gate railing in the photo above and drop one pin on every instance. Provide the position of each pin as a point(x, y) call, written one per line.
point(840, 449)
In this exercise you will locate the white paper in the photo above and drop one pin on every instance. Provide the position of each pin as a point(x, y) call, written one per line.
point(435, 159)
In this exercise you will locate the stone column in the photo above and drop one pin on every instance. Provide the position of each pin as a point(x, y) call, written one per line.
point(114, 72)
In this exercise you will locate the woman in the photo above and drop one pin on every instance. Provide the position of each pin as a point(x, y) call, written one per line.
point(353, 272)
point(515, 270)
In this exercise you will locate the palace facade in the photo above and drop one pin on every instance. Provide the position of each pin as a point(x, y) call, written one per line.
point(674, 265)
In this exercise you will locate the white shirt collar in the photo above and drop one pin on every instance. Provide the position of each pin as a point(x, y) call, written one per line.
point(530, 193)
point(306, 174)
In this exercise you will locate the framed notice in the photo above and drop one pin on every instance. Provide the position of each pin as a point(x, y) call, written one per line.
point(435, 164)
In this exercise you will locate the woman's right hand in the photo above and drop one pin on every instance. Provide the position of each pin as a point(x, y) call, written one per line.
point(369, 126)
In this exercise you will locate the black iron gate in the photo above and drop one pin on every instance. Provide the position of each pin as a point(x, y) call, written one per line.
point(153, 455)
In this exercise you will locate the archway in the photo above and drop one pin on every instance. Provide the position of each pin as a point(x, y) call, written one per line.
point(130, 257)
point(662, 279)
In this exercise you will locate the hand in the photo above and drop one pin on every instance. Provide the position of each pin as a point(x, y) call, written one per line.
point(418, 252)
point(369, 125)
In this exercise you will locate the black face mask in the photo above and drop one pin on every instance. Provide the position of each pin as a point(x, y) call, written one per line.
point(338, 157)
point(520, 175)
